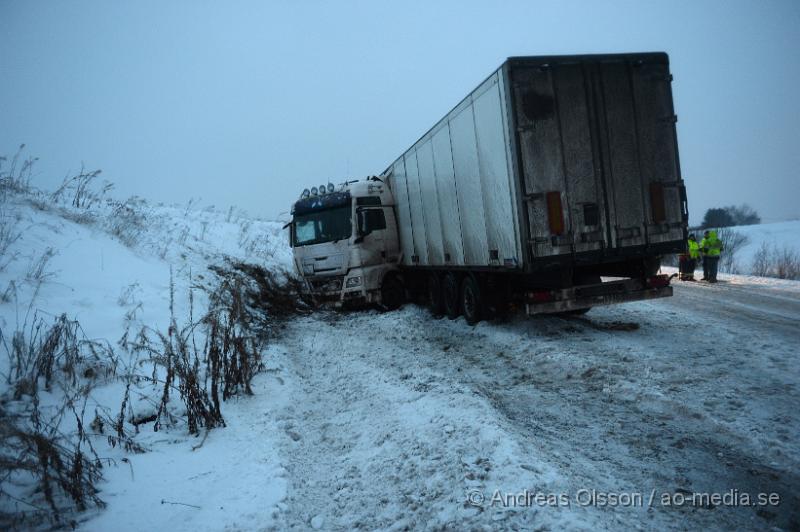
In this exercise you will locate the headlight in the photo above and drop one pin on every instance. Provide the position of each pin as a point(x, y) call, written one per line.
point(353, 281)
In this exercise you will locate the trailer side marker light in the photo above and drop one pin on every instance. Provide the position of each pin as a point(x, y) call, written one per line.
point(555, 213)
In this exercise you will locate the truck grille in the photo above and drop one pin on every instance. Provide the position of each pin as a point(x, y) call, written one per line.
point(328, 284)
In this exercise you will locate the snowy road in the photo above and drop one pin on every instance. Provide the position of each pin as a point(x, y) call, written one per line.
point(395, 420)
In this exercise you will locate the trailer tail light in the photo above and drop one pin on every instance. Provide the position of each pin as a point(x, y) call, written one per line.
point(541, 296)
point(658, 281)
point(657, 205)
point(555, 213)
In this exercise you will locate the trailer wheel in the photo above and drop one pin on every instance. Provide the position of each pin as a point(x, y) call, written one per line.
point(392, 293)
point(652, 265)
point(450, 296)
point(471, 300)
point(435, 296)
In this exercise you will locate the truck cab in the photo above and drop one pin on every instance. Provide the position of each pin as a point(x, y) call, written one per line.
point(345, 244)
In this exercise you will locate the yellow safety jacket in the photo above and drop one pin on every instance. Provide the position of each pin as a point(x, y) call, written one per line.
point(711, 246)
point(694, 249)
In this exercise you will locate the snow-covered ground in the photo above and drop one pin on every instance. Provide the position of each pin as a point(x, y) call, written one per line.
point(399, 418)
point(776, 236)
point(399, 421)
point(235, 478)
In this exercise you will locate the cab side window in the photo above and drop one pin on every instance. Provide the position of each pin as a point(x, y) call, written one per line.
point(370, 220)
point(374, 220)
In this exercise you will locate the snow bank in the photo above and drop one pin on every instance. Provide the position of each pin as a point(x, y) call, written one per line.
point(778, 236)
point(119, 267)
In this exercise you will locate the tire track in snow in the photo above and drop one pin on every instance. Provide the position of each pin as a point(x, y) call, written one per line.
point(392, 413)
point(376, 439)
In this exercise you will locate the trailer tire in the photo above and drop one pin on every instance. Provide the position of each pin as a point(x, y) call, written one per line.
point(651, 266)
point(435, 295)
point(392, 293)
point(471, 300)
point(450, 296)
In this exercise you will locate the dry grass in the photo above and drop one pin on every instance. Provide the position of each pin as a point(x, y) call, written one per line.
point(245, 309)
point(49, 472)
point(9, 234)
point(772, 261)
point(48, 467)
point(16, 173)
point(79, 189)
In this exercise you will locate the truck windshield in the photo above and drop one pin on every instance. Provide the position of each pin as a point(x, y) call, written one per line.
point(323, 226)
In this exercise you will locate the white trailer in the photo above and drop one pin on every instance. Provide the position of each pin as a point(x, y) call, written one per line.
point(550, 158)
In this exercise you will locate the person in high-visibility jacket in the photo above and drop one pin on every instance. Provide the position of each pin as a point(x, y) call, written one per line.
point(710, 247)
point(691, 263)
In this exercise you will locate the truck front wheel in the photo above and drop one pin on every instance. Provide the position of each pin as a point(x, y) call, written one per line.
point(392, 293)
point(450, 296)
point(471, 300)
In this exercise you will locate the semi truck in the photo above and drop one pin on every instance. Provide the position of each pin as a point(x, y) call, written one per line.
point(554, 186)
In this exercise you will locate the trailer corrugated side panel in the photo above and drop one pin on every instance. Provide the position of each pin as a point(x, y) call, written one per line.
point(491, 131)
point(467, 209)
point(400, 192)
point(468, 185)
point(448, 201)
point(430, 203)
point(420, 255)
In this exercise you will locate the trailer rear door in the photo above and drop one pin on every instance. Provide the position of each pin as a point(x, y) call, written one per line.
point(598, 154)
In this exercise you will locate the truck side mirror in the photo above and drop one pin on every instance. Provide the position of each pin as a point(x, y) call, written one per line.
point(291, 233)
point(363, 227)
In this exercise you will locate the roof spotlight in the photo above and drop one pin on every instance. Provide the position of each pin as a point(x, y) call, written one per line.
point(322, 189)
point(313, 191)
point(330, 188)
point(306, 193)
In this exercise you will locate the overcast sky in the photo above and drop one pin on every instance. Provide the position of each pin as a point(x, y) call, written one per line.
point(247, 103)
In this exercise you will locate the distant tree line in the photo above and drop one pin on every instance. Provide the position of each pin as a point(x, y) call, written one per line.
point(730, 216)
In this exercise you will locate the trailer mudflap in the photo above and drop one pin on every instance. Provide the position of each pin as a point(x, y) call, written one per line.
point(595, 295)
